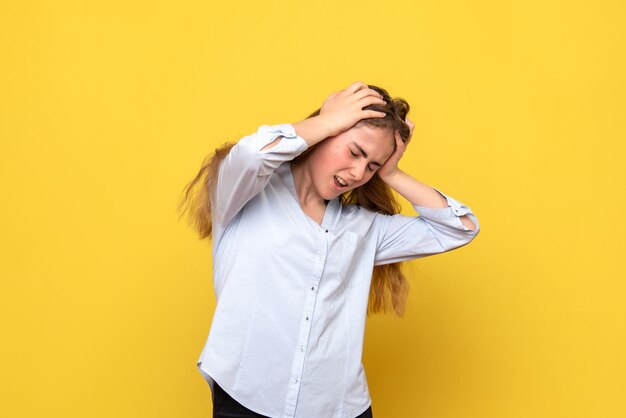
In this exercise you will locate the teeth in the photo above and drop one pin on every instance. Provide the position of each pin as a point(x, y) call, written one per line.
point(340, 180)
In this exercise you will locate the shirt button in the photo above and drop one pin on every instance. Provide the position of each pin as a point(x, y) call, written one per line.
point(295, 380)
point(313, 288)
point(327, 230)
point(307, 318)
point(301, 349)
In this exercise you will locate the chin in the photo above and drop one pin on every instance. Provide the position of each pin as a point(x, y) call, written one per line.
point(332, 193)
point(335, 193)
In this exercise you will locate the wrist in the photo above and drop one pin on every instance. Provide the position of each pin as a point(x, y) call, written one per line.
point(312, 130)
point(325, 125)
point(390, 176)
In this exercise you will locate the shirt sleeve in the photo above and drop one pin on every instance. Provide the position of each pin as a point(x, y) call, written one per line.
point(247, 169)
point(434, 231)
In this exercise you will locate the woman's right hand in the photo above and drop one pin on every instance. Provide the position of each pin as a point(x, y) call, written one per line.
point(343, 109)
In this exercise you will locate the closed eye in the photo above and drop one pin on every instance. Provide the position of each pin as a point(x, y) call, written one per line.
point(369, 167)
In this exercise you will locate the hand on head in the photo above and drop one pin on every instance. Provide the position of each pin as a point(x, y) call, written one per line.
point(391, 165)
point(343, 109)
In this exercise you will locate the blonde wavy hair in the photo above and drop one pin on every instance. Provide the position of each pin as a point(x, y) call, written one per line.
point(389, 288)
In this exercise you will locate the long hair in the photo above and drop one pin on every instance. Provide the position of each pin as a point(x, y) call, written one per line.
point(389, 288)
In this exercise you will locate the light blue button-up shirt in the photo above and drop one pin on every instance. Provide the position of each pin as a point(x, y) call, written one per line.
point(286, 338)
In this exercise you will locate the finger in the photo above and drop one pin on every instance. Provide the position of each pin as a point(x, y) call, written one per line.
point(366, 92)
point(354, 87)
point(370, 100)
point(399, 141)
point(411, 126)
point(373, 114)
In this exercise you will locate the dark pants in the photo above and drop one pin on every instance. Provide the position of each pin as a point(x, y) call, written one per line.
point(224, 406)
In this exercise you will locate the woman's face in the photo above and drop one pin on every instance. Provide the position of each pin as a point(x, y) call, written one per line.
point(348, 160)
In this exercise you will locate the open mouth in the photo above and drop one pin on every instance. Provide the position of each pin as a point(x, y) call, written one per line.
point(340, 183)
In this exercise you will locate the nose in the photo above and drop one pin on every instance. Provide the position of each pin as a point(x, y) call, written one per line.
point(358, 172)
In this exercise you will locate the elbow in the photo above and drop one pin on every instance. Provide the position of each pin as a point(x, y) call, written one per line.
point(470, 222)
point(458, 239)
point(465, 220)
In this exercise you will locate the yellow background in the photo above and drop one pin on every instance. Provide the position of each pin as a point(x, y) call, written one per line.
point(108, 108)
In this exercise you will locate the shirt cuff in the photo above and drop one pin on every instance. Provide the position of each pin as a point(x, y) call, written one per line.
point(454, 208)
point(449, 215)
point(269, 133)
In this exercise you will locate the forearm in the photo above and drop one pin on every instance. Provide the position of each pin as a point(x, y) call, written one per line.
point(415, 191)
point(312, 130)
point(420, 194)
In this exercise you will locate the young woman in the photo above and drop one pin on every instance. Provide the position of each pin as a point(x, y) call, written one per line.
point(307, 240)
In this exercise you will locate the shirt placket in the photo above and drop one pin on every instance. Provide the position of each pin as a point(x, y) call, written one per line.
point(306, 322)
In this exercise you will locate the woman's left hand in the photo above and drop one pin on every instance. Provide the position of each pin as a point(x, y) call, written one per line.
point(390, 167)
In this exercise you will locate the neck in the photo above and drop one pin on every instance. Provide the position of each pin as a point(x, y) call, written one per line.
point(305, 189)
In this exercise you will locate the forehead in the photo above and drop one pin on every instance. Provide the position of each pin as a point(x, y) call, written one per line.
point(376, 141)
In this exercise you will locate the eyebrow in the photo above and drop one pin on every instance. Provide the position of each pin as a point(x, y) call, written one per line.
point(365, 154)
